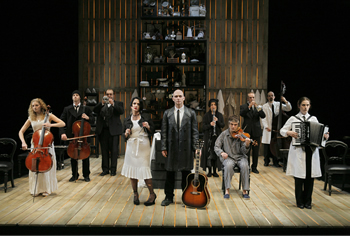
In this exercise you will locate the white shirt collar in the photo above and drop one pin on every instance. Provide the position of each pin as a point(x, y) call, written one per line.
point(181, 109)
point(78, 104)
point(301, 115)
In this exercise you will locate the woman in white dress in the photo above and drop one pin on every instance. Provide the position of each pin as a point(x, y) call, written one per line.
point(303, 161)
point(45, 183)
point(138, 130)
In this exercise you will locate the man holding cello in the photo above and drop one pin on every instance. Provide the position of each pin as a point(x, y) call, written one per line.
point(71, 114)
point(271, 110)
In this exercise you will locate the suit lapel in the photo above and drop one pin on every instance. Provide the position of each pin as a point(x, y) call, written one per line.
point(80, 112)
point(73, 112)
point(251, 112)
point(171, 118)
point(186, 117)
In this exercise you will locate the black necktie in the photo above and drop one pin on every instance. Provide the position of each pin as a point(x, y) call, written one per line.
point(76, 108)
point(273, 111)
point(178, 120)
point(304, 118)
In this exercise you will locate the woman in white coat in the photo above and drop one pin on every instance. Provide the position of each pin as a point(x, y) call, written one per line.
point(303, 161)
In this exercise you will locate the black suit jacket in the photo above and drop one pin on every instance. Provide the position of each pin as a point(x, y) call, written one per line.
point(69, 116)
point(114, 123)
point(251, 120)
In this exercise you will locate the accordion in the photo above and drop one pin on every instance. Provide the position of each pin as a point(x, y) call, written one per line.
point(309, 133)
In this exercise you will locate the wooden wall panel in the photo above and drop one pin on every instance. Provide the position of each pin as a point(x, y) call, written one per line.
point(236, 31)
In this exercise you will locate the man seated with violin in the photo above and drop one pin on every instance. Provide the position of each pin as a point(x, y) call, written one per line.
point(70, 114)
point(232, 147)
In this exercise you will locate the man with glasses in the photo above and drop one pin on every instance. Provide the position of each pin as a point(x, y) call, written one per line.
point(108, 128)
point(251, 125)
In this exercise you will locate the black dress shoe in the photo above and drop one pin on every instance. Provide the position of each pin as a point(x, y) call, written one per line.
point(255, 171)
point(301, 206)
point(276, 165)
point(104, 173)
point(150, 203)
point(308, 206)
point(209, 174)
point(166, 202)
point(113, 173)
point(215, 174)
point(73, 179)
point(266, 164)
point(87, 179)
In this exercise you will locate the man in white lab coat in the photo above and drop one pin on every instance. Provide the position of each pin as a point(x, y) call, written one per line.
point(271, 110)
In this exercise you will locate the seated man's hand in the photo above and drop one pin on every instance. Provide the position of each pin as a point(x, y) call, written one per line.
point(247, 142)
point(224, 155)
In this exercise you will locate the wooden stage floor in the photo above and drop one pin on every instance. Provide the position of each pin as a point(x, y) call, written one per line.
point(108, 202)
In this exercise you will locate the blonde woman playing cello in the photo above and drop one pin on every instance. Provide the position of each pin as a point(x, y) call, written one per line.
point(46, 182)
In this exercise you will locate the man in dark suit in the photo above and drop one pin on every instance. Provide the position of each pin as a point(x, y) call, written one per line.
point(178, 137)
point(251, 125)
point(70, 114)
point(108, 128)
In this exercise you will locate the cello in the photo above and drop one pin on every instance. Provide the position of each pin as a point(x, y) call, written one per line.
point(39, 160)
point(79, 148)
point(277, 140)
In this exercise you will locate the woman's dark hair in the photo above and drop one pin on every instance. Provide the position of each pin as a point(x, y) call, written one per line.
point(303, 99)
point(140, 101)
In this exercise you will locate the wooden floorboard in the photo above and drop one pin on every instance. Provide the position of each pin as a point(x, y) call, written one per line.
point(107, 201)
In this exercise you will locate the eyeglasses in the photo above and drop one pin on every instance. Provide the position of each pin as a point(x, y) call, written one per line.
point(109, 93)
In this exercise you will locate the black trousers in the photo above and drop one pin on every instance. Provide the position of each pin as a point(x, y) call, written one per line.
point(110, 150)
point(268, 154)
point(304, 187)
point(86, 167)
point(255, 153)
point(170, 182)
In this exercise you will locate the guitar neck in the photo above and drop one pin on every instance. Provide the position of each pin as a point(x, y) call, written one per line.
point(196, 168)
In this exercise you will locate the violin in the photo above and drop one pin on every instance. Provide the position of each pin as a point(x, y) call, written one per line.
point(39, 160)
point(79, 148)
point(243, 136)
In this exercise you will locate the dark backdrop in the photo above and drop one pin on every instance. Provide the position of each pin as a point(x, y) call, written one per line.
point(308, 50)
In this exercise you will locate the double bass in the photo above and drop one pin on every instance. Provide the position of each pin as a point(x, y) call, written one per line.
point(79, 148)
point(277, 140)
point(39, 160)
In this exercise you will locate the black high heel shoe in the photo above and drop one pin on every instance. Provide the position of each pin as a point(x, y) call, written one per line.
point(150, 203)
point(136, 201)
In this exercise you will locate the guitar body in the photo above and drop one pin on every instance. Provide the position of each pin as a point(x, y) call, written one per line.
point(196, 192)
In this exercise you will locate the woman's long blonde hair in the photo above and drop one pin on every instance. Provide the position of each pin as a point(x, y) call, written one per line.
point(32, 115)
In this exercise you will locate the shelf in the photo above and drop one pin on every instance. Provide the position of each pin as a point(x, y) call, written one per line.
point(173, 18)
point(174, 41)
point(173, 64)
point(199, 91)
point(173, 87)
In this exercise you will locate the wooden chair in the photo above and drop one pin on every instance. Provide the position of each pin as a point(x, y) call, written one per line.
point(334, 153)
point(24, 154)
point(236, 169)
point(7, 150)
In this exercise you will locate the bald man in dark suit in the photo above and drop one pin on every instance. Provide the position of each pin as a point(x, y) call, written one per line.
point(251, 125)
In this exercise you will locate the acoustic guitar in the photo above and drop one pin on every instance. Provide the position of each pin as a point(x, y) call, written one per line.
point(196, 193)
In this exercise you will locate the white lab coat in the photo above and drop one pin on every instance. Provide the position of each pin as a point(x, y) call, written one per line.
point(267, 121)
point(296, 165)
